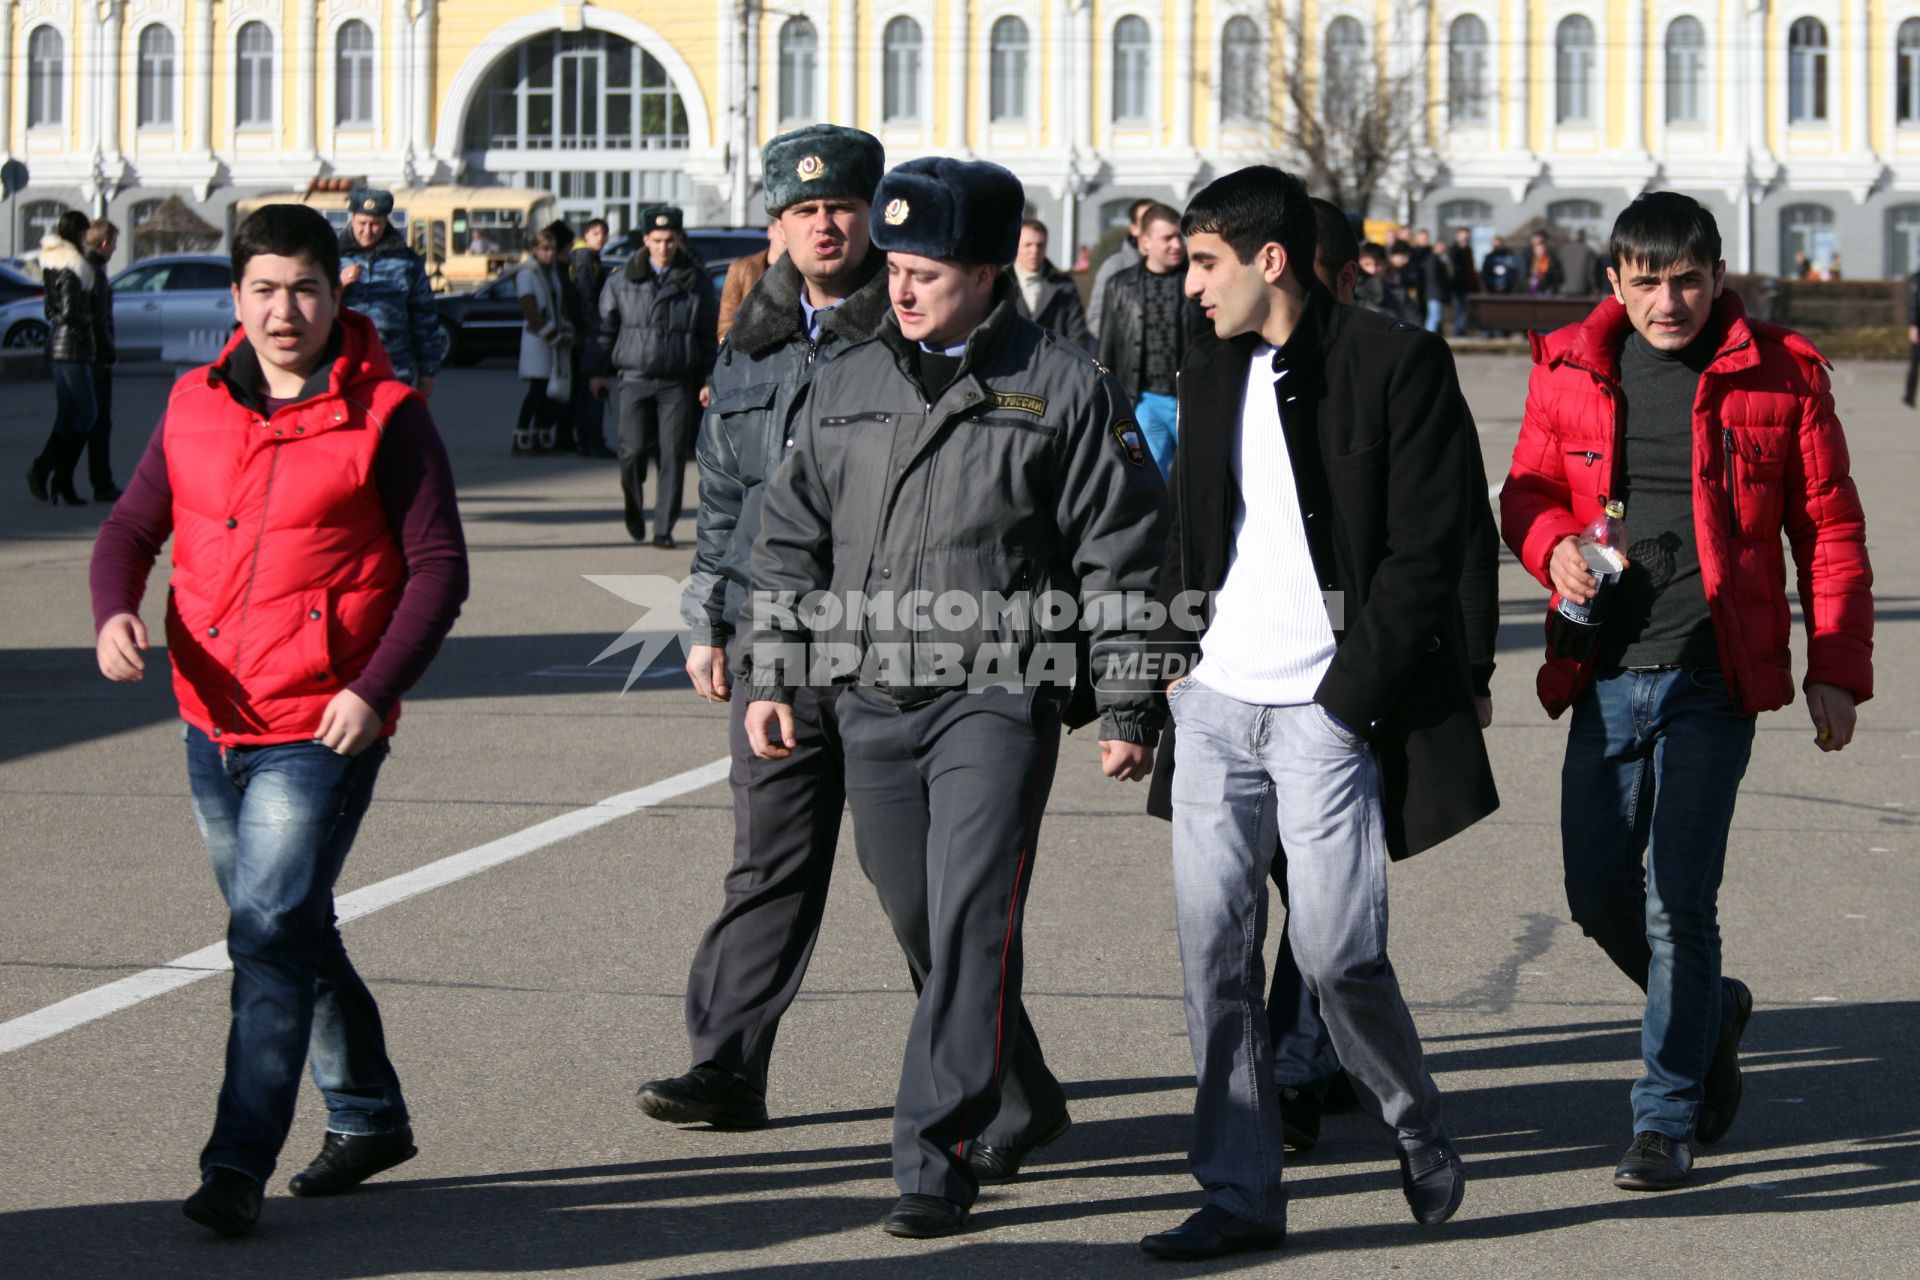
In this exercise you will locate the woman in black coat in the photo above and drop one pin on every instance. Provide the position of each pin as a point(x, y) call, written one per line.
point(70, 281)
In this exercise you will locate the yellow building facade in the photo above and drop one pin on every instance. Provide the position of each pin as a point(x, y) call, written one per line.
point(1798, 121)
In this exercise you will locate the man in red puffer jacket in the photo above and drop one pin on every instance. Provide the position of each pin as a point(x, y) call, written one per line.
point(318, 563)
point(1719, 433)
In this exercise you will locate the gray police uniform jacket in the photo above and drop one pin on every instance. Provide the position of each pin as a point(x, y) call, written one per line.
point(765, 368)
point(661, 327)
point(393, 292)
point(1026, 475)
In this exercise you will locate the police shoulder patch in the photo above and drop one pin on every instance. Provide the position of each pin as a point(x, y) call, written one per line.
point(1133, 446)
point(1020, 403)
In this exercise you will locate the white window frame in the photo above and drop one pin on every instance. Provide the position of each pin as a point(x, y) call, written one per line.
point(1256, 119)
point(1154, 107)
point(922, 117)
point(1831, 117)
point(1780, 224)
point(1029, 56)
point(1887, 224)
point(1490, 83)
point(1704, 81)
point(1369, 50)
point(272, 123)
point(1593, 124)
point(157, 128)
point(372, 123)
point(815, 88)
point(1898, 19)
point(58, 124)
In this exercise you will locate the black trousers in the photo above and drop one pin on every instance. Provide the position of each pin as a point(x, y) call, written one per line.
point(1913, 370)
point(100, 439)
point(786, 824)
point(657, 421)
point(946, 799)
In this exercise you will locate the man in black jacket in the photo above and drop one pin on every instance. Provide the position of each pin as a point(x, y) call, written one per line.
point(1913, 338)
point(658, 321)
point(1047, 295)
point(586, 277)
point(1321, 507)
point(1146, 322)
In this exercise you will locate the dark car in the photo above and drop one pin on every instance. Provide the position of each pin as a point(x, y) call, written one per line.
point(486, 321)
point(16, 284)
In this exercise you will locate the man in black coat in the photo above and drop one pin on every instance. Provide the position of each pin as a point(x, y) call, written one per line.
point(1045, 294)
point(1320, 520)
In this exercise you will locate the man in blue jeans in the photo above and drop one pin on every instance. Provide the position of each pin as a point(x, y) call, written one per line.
point(318, 563)
point(1146, 323)
point(1718, 431)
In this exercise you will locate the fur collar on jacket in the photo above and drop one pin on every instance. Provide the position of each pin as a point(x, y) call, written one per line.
point(57, 254)
point(682, 272)
point(771, 314)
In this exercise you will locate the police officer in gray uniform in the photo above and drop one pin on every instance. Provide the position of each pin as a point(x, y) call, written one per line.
point(961, 458)
point(828, 293)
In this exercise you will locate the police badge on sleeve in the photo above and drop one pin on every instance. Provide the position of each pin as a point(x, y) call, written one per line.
point(1133, 445)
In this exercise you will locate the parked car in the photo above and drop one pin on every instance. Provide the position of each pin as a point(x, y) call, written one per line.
point(16, 284)
point(175, 294)
point(486, 321)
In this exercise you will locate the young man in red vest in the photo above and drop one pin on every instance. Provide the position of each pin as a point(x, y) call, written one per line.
point(318, 563)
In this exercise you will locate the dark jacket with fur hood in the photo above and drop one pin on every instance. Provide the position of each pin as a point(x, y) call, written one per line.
point(70, 281)
point(761, 379)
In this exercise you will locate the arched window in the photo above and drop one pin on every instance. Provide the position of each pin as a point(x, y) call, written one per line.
point(1573, 71)
point(1347, 68)
point(799, 69)
point(353, 75)
point(1807, 72)
point(1468, 98)
point(1241, 72)
point(1007, 71)
point(1579, 215)
point(1686, 72)
point(38, 219)
point(1903, 240)
point(1465, 213)
point(1808, 229)
point(153, 104)
point(1906, 73)
point(900, 71)
point(1132, 70)
point(253, 76)
point(46, 77)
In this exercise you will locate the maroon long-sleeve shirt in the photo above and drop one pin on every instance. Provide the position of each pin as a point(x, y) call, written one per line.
point(416, 489)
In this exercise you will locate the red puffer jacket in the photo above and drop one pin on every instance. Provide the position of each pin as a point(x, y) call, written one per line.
point(285, 569)
point(1768, 455)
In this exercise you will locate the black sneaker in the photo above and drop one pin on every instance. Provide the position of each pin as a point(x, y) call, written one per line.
point(705, 1095)
point(1654, 1162)
point(1299, 1118)
point(348, 1159)
point(1722, 1099)
point(228, 1202)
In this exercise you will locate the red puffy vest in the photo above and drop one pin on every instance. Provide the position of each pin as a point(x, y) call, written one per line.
point(285, 570)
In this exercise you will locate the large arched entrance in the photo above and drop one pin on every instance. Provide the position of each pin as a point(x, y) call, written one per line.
point(588, 115)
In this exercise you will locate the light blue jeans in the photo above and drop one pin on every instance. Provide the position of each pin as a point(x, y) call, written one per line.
point(1245, 778)
point(1159, 422)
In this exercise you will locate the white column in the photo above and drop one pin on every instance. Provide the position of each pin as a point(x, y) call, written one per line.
point(423, 87)
point(1420, 46)
point(1635, 78)
point(1083, 62)
point(6, 81)
point(1518, 77)
point(107, 70)
point(1859, 24)
point(846, 66)
point(1759, 110)
point(956, 71)
point(200, 132)
point(1183, 76)
point(306, 78)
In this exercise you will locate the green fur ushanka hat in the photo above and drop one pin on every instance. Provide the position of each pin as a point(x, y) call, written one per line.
point(962, 210)
point(820, 162)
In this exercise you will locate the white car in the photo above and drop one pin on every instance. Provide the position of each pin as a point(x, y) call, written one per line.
point(170, 294)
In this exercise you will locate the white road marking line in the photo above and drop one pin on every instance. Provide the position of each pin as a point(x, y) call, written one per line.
point(90, 1006)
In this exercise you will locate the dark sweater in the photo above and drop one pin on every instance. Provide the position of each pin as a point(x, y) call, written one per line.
point(1658, 614)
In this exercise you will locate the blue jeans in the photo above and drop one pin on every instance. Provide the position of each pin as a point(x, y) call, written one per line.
point(1160, 423)
point(278, 822)
point(1436, 311)
point(1654, 762)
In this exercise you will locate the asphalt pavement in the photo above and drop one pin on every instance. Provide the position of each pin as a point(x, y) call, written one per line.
point(566, 841)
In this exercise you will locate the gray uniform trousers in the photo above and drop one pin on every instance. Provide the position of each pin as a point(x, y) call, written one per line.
point(946, 800)
point(786, 824)
point(658, 420)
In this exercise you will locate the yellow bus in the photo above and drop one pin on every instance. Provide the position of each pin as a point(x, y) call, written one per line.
point(466, 235)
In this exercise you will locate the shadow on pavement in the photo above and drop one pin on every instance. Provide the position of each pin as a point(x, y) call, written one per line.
point(1829, 1122)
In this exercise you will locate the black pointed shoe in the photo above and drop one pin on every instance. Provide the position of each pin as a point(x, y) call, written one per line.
point(348, 1159)
point(1213, 1233)
point(1434, 1183)
point(228, 1202)
point(918, 1217)
point(1722, 1099)
point(705, 1095)
point(994, 1164)
point(1299, 1118)
point(1654, 1162)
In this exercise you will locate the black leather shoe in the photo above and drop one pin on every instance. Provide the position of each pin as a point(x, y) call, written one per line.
point(664, 541)
point(1654, 1162)
point(228, 1202)
point(705, 1095)
point(1722, 1101)
point(348, 1159)
point(1212, 1233)
point(917, 1217)
point(993, 1164)
point(1433, 1182)
point(1299, 1118)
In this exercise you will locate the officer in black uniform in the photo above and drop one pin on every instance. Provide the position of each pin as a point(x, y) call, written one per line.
point(960, 458)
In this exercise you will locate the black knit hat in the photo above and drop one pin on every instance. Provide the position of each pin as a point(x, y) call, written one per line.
point(962, 210)
point(820, 162)
point(661, 217)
